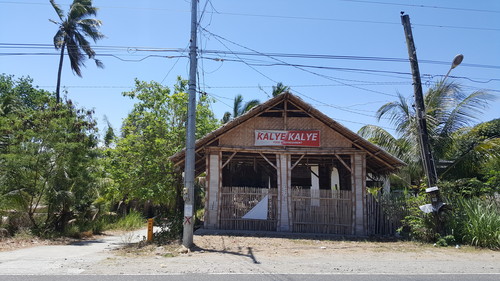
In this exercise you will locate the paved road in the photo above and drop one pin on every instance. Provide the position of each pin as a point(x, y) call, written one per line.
point(263, 277)
point(63, 259)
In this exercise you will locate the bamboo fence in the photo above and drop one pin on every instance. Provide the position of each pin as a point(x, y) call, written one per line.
point(333, 214)
point(237, 201)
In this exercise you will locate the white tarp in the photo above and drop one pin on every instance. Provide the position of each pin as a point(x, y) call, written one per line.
point(259, 212)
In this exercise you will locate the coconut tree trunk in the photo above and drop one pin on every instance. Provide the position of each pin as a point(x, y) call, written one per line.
point(58, 99)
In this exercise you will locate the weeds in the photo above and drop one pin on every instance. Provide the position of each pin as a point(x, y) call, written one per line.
point(132, 221)
point(480, 222)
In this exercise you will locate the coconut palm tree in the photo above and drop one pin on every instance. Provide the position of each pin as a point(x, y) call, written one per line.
point(74, 29)
point(239, 108)
point(448, 111)
point(280, 88)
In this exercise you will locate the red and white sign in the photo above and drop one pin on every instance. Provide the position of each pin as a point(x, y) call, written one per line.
point(287, 138)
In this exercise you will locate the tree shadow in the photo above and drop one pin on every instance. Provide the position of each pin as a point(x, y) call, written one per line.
point(86, 242)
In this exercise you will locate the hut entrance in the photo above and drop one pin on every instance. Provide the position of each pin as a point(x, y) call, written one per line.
point(249, 192)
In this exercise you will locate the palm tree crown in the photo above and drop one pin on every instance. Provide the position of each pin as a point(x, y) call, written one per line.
point(448, 111)
point(74, 29)
point(239, 108)
point(280, 88)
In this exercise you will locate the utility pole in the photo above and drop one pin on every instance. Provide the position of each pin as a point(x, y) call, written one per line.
point(425, 150)
point(187, 237)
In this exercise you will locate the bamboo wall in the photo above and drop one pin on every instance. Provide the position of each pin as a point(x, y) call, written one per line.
point(237, 201)
point(379, 222)
point(332, 216)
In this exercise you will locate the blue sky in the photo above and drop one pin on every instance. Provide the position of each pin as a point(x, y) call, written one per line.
point(352, 54)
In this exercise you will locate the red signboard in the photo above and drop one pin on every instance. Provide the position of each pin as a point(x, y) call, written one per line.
point(287, 138)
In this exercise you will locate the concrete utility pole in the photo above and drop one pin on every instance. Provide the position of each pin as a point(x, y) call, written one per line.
point(187, 237)
point(427, 159)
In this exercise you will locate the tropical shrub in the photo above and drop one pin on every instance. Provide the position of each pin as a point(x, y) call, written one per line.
point(47, 156)
point(477, 221)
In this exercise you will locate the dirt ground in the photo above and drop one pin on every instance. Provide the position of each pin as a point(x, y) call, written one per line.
point(11, 244)
point(228, 253)
point(247, 253)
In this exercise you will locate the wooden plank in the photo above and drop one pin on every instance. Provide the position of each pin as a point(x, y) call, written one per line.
point(344, 163)
point(286, 149)
point(270, 163)
point(228, 160)
point(296, 163)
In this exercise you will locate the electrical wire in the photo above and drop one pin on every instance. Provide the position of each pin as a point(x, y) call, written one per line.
point(423, 6)
point(294, 17)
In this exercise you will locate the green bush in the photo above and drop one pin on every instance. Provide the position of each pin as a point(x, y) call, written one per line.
point(446, 241)
point(468, 188)
point(133, 220)
point(171, 229)
point(478, 221)
point(471, 220)
point(418, 225)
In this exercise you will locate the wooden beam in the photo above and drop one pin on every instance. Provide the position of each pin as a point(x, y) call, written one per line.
point(354, 142)
point(293, 166)
point(344, 163)
point(270, 163)
point(285, 119)
point(228, 160)
point(286, 150)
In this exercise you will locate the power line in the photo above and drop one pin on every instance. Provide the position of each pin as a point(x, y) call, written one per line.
point(219, 38)
point(303, 69)
point(361, 70)
point(294, 17)
point(423, 6)
point(134, 49)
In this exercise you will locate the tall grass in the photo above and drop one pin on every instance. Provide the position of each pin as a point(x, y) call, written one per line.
point(479, 222)
point(131, 221)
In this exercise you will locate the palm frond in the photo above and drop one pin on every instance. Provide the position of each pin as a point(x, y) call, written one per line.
point(89, 27)
point(81, 9)
point(227, 117)
point(467, 111)
point(469, 162)
point(58, 10)
point(279, 88)
point(238, 99)
point(76, 57)
point(98, 63)
point(84, 45)
point(59, 39)
point(249, 105)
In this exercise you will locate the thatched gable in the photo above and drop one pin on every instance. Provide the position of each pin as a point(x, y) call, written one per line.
point(287, 105)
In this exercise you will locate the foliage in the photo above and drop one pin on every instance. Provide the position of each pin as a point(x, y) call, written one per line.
point(133, 220)
point(467, 188)
point(152, 132)
point(474, 218)
point(475, 152)
point(280, 88)
point(171, 229)
point(239, 108)
point(448, 111)
point(418, 225)
point(478, 221)
point(73, 31)
point(446, 241)
point(47, 157)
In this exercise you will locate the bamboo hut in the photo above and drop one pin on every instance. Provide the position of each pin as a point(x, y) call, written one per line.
point(285, 166)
